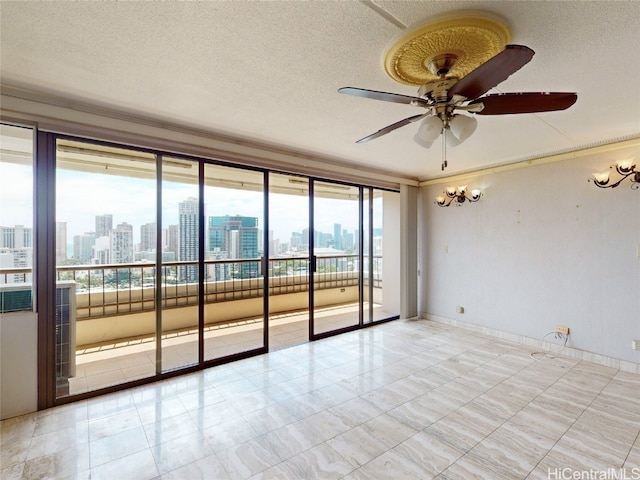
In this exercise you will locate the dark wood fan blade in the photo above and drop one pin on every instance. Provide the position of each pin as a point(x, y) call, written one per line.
point(392, 127)
point(384, 96)
point(492, 72)
point(530, 102)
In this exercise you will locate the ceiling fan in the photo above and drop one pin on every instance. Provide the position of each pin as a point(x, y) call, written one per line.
point(445, 97)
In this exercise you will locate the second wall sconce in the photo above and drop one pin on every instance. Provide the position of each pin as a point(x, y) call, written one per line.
point(626, 168)
point(458, 195)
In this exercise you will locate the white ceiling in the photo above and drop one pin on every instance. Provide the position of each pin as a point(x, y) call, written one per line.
point(271, 70)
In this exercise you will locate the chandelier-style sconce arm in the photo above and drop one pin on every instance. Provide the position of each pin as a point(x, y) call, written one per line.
point(459, 196)
point(625, 168)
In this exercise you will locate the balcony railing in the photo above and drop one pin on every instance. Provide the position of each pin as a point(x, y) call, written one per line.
point(117, 289)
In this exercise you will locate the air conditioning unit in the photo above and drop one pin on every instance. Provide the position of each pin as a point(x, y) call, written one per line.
point(17, 297)
point(65, 335)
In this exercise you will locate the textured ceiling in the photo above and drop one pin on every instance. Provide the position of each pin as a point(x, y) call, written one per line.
point(271, 70)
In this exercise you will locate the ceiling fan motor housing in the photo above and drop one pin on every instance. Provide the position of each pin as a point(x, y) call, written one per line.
point(437, 90)
point(441, 64)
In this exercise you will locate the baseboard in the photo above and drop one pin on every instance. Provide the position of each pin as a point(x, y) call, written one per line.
point(568, 351)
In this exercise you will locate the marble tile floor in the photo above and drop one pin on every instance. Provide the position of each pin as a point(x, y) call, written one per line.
point(409, 399)
point(112, 364)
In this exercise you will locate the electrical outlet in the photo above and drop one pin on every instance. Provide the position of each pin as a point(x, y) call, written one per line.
point(459, 309)
point(635, 344)
point(562, 329)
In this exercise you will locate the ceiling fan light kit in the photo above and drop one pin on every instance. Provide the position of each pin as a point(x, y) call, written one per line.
point(461, 127)
point(455, 61)
point(428, 131)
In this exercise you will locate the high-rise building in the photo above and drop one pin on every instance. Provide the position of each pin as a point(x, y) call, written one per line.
point(274, 243)
point(83, 247)
point(348, 241)
point(238, 237)
point(102, 251)
point(296, 240)
point(16, 251)
point(17, 236)
point(148, 237)
point(322, 240)
point(104, 225)
point(188, 238)
point(121, 244)
point(337, 236)
point(172, 241)
point(7, 237)
point(61, 243)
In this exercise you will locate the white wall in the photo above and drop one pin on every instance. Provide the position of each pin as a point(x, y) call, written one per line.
point(542, 247)
point(409, 306)
point(18, 364)
point(391, 251)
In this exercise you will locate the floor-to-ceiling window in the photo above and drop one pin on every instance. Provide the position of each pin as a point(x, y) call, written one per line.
point(179, 244)
point(233, 289)
point(105, 215)
point(166, 262)
point(18, 317)
point(288, 260)
point(336, 256)
point(16, 217)
point(368, 257)
point(382, 277)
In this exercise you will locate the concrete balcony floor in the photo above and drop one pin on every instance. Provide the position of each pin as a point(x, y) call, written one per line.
point(131, 359)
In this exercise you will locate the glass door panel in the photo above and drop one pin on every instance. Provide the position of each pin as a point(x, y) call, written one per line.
point(385, 256)
point(336, 283)
point(367, 257)
point(233, 287)
point(105, 295)
point(16, 218)
point(288, 260)
point(180, 272)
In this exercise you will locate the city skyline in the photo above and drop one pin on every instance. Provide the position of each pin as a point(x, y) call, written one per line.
point(81, 197)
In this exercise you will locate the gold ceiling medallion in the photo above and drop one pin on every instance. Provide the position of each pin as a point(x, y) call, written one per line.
point(449, 46)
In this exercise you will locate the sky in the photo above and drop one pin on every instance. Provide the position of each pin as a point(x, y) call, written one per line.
point(16, 195)
point(81, 196)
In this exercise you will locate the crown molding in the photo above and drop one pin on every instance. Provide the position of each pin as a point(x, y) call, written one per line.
point(626, 142)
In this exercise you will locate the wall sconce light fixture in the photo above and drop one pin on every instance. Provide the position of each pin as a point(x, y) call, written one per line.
point(459, 195)
point(626, 168)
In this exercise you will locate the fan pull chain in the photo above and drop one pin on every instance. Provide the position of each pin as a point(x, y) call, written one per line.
point(444, 148)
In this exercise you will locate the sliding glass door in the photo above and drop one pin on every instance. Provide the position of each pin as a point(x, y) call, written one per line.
point(178, 241)
point(288, 260)
point(336, 257)
point(233, 265)
point(105, 280)
point(168, 262)
point(382, 257)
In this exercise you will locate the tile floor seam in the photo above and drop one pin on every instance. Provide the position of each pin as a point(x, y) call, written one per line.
point(630, 449)
point(506, 420)
point(591, 403)
point(575, 420)
point(454, 411)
